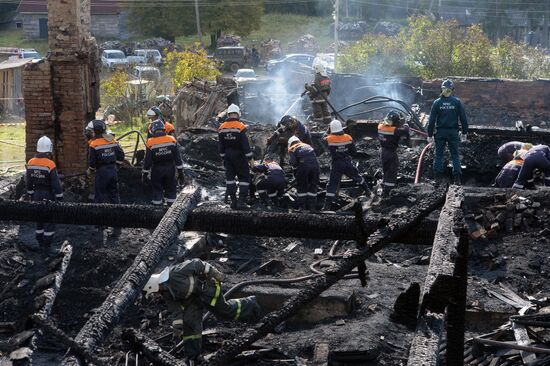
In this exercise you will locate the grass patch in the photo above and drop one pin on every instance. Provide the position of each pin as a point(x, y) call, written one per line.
point(15, 38)
point(12, 148)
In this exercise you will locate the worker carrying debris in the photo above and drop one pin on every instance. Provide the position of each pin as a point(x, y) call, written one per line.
point(506, 151)
point(271, 182)
point(448, 125)
point(155, 114)
point(303, 159)
point(341, 148)
point(162, 158)
point(390, 132)
point(288, 126)
point(538, 157)
point(103, 156)
point(189, 289)
point(43, 184)
point(234, 148)
point(510, 172)
point(318, 93)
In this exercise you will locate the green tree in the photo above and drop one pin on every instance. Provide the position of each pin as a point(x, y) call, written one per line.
point(188, 65)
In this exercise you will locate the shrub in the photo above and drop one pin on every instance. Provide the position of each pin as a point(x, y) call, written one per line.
point(188, 65)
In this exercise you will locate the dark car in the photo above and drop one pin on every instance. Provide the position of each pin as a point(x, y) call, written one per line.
point(292, 61)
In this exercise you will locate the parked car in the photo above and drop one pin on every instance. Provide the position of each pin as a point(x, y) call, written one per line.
point(112, 59)
point(233, 57)
point(10, 53)
point(245, 75)
point(292, 60)
point(150, 73)
point(151, 56)
point(136, 60)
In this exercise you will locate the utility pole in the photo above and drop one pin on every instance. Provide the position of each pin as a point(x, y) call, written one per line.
point(336, 21)
point(198, 17)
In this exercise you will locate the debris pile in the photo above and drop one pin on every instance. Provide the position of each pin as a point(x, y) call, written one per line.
point(270, 49)
point(387, 28)
point(332, 47)
point(228, 40)
point(351, 30)
point(305, 44)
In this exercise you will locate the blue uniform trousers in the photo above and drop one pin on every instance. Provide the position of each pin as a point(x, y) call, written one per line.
point(307, 181)
point(390, 166)
point(236, 165)
point(106, 184)
point(449, 137)
point(531, 162)
point(339, 168)
point(272, 186)
point(163, 181)
point(44, 231)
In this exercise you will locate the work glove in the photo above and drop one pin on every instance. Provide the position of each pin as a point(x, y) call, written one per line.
point(90, 172)
point(251, 163)
point(463, 137)
point(146, 178)
point(216, 274)
point(181, 177)
point(430, 139)
point(177, 325)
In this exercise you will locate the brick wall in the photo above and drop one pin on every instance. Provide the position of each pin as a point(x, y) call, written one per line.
point(499, 102)
point(39, 112)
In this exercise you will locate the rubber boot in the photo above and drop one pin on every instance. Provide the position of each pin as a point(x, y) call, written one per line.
point(457, 179)
point(233, 198)
point(241, 203)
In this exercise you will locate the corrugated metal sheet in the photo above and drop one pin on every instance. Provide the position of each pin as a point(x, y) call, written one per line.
point(10, 64)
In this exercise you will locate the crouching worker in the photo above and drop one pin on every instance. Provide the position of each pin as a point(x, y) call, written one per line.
point(538, 157)
point(341, 148)
point(509, 173)
point(303, 159)
point(162, 158)
point(191, 288)
point(43, 184)
point(506, 151)
point(271, 183)
point(389, 134)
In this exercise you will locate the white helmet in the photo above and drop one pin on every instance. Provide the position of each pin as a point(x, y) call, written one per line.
point(233, 108)
point(44, 145)
point(336, 126)
point(152, 285)
point(292, 140)
point(319, 68)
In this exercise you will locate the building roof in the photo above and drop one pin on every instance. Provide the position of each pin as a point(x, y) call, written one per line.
point(98, 7)
point(12, 64)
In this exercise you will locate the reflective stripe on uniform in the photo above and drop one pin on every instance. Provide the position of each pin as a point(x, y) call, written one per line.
point(215, 298)
point(30, 192)
point(60, 195)
point(166, 144)
point(156, 202)
point(226, 130)
point(330, 194)
point(177, 322)
point(101, 147)
point(170, 200)
point(49, 233)
point(207, 267)
point(191, 337)
point(238, 309)
point(260, 191)
point(191, 286)
point(302, 194)
point(245, 184)
point(517, 186)
point(230, 182)
point(388, 184)
point(272, 195)
point(310, 194)
point(40, 231)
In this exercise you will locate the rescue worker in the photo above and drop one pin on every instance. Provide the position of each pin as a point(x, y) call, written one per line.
point(191, 288)
point(43, 184)
point(510, 172)
point(271, 184)
point(162, 158)
point(341, 148)
point(506, 151)
point(446, 118)
point(389, 134)
point(154, 114)
point(89, 180)
point(318, 93)
point(234, 148)
point(288, 126)
point(538, 157)
point(103, 156)
point(303, 159)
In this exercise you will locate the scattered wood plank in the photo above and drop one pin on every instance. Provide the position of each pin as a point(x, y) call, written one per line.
point(320, 354)
point(150, 349)
point(522, 337)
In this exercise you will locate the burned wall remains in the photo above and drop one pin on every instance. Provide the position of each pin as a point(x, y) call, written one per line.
point(63, 91)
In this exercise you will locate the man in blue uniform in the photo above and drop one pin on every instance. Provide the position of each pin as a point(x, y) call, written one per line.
point(288, 126)
point(303, 159)
point(389, 134)
point(104, 154)
point(510, 172)
point(155, 114)
point(447, 117)
point(190, 288)
point(341, 148)
point(234, 148)
point(271, 183)
point(162, 158)
point(506, 151)
point(538, 157)
point(43, 184)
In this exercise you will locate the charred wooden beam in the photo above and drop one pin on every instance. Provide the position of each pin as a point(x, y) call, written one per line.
point(382, 237)
point(129, 286)
point(209, 217)
point(426, 341)
point(150, 349)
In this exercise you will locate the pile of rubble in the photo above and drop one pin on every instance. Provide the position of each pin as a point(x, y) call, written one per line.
point(332, 47)
point(228, 40)
point(387, 28)
point(305, 44)
point(270, 49)
point(351, 30)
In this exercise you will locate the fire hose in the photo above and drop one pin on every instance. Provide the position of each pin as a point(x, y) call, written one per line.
point(419, 165)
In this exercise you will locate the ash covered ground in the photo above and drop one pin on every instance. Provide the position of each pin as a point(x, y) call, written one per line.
point(367, 335)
